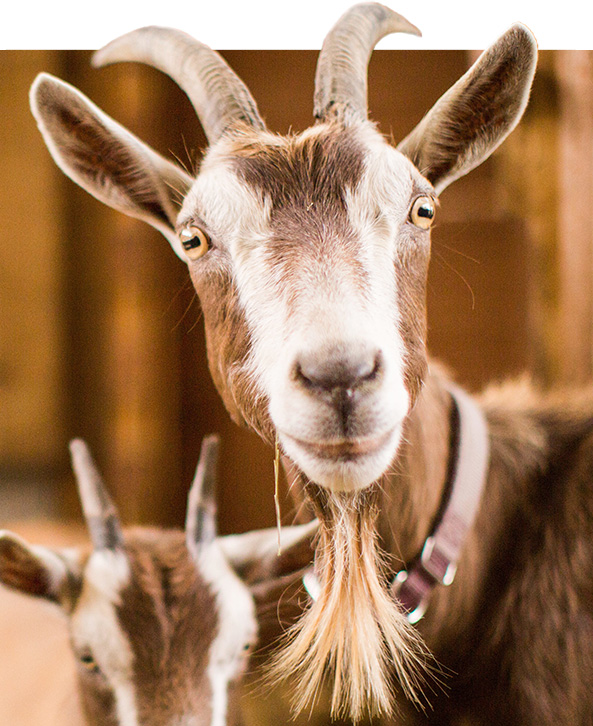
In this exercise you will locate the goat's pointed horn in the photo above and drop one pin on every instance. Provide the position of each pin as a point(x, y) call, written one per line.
point(200, 523)
point(98, 508)
point(218, 95)
point(341, 77)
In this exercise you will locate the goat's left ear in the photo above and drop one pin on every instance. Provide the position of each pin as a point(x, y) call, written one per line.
point(106, 159)
point(35, 570)
point(476, 114)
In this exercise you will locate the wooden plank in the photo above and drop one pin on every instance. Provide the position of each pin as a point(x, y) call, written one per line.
point(574, 72)
point(31, 282)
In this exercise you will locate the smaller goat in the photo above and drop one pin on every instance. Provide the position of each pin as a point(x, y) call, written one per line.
point(160, 623)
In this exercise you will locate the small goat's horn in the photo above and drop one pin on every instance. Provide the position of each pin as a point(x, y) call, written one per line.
point(218, 95)
point(98, 508)
point(200, 523)
point(341, 77)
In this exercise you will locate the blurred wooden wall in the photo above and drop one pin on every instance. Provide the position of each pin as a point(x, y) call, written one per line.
point(100, 331)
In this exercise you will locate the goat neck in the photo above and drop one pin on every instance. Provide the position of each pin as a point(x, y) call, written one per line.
point(412, 491)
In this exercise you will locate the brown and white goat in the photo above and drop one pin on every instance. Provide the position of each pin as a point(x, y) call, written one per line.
point(160, 624)
point(309, 254)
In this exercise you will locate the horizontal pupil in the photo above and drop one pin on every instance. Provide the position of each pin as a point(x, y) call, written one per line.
point(192, 243)
point(426, 211)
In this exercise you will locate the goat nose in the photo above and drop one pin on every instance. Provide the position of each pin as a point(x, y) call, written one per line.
point(339, 370)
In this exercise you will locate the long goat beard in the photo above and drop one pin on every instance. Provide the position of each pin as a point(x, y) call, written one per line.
point(355, 631)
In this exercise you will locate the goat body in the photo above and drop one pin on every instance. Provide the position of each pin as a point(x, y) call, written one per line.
point(309, 253)
point(514, 631)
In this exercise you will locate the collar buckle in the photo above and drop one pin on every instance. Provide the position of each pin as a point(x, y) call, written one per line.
point(437, 562)
point(412, 588)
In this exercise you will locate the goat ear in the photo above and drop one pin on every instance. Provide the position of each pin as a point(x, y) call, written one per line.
point(274, 578)
point(476, 114)
point(34, 570)
point(255, 556)
point(106, 159)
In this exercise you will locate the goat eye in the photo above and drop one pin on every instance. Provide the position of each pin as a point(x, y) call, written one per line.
point(422, 212)
point(88, 662)
point(195, 242)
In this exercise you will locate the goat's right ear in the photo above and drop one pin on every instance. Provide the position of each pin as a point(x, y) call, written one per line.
point(35, 570)
point(106, 159)
point(477, 113)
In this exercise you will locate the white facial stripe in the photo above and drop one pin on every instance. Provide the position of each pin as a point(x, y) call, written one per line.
point(108, 572)
point(327, 301)
point(125, 701)
point(237, 627)
point(333, 310)
point(94, 625)
point(219, 682)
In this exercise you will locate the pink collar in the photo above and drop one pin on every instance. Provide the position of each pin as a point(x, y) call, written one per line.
point(468, 469)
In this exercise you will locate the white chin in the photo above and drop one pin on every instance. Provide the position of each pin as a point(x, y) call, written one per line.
point(343, 471)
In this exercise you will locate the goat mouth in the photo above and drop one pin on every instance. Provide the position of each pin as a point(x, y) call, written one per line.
point(343, 465)
point(344, 451)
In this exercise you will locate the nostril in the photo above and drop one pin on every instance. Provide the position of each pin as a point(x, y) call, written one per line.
point(346, 371)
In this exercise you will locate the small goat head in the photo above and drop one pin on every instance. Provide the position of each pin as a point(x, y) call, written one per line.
point(309, 252)
point(160, 624)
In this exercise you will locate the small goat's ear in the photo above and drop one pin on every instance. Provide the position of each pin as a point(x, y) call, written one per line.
point(35, 570)
point(106, 159)
point(476, 114)
point(256, 556)
point(274, 578)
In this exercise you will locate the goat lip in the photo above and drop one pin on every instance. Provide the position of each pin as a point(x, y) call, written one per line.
point(346, 450)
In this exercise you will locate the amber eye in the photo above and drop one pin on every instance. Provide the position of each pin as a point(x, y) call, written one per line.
point(88, 662)
point(422, 212)
point(195, 242)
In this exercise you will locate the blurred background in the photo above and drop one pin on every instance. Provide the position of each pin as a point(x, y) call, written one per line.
point(100, 331)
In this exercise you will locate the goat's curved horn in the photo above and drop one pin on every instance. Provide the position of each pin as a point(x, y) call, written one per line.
point(98, 508)
point(341, 76)
point(200, 523)
point(218, 95)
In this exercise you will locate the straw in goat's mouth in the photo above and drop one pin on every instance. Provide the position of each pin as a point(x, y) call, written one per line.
point(355, 631)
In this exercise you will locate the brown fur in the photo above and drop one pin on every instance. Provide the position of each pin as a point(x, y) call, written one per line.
point(411, 271)
point(515, 628)
point(438, 145)
point(513, 635)
point(228, 339)
point(169, 615)
point(308, 213)
point(309, 172)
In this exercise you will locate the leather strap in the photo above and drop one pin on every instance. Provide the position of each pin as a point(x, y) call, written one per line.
point(437, 563)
